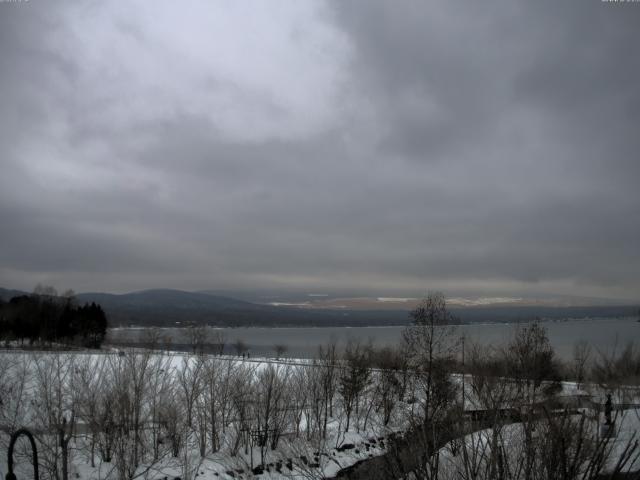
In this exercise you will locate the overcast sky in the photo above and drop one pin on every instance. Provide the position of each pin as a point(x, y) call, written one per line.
point(385, 146)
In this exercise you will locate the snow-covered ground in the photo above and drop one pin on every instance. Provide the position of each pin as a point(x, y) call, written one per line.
point(300, 452)
point(28, 397)
point(474, 450)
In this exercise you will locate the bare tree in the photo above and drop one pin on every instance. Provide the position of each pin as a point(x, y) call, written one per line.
point(217, 394)
point(198, 337)
point(189, 381)
point(242, 396)
point(532, 362)
point(431, 344)
point(56, 411)
point(171, 417)
point(355, 376)
point(388, 381)
point(160, 387)
point(240, 347)
point(619, 371)
point(218, 341)
point(532, 366)
point(316, 404)
point(130, 378)
point(566, 446)
point(270, 406)
point(580, 361)
point(540, 443)
point(299, 396)
point(89, 380)
point(492, 396)
point(15, 378)
point(327, 364)
point(279, 349)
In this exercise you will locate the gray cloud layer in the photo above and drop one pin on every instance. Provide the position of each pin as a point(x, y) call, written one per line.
point(391, 146)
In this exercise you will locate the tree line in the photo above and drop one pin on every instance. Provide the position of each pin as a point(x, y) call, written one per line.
point(45, 318)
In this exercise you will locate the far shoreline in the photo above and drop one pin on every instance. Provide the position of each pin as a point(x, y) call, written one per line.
point(275, 327)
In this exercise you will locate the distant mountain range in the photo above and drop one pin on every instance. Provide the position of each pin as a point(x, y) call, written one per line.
point(165, 307)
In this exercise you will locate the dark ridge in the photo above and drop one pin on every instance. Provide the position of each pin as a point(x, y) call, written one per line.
point(165, 307)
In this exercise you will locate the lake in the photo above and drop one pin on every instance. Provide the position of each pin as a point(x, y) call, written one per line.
point(603, 334)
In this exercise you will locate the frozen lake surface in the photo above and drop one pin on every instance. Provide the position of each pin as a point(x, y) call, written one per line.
point(602, 334)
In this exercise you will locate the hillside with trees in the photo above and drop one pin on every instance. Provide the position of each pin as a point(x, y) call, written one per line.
point(171, 308)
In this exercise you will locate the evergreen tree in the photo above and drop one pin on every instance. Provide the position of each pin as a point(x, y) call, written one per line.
point(52, 320)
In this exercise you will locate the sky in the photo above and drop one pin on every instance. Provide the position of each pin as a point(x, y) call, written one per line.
point(478, 148)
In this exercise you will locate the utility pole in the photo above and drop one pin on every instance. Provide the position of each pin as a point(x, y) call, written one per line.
point(463, 372)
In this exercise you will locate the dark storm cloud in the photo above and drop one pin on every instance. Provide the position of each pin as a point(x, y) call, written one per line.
point(366, 145)
point(531, 110)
